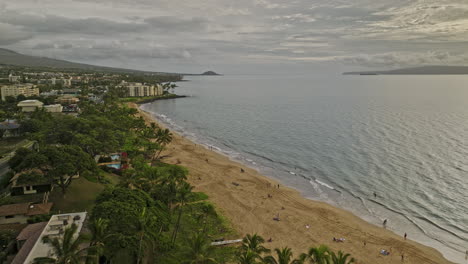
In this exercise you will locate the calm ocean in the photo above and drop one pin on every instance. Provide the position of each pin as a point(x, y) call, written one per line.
point(340, 138)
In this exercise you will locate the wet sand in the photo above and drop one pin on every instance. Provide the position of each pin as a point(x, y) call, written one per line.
point(250, 201)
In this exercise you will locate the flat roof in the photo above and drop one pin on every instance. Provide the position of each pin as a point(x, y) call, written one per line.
point(55, 227)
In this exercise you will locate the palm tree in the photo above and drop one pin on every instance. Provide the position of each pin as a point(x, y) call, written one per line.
point(341, 258)
point(99, 236)
point(254, 243)
point(146, 234)
point(318, 255)
point(163, 137)
point(284, 257)
point(183, 192)
point(66, 248)
point(248, 257)
point(199, 250)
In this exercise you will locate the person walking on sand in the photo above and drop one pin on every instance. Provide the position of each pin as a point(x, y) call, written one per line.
point(405, 236)
point(385, 223)
point(402, 257)
point(375, 195)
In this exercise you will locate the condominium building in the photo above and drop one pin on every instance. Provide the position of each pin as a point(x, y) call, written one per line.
point(34, 247)
point(141, 90)
point(26, 89)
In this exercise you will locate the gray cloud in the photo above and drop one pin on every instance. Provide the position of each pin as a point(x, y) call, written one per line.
point(10, 34)
point(196, 33)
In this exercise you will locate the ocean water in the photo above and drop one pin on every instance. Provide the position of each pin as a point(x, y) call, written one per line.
point(339, 139)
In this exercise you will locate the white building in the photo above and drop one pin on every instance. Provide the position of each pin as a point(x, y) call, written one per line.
point(13, 79)
point(28, 106)
point(54, 228)
point(55, 108)
point(141, 90)
point(26, 89)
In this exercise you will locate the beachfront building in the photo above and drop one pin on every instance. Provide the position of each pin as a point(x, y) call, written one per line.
point(26, 89)
point(55, 108)
point(134, 89)
point(28, 106)
point(54, 228)
point(20, 213)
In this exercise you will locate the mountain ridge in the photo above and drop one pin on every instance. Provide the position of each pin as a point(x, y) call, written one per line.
point(13, 58)
point(423, 70)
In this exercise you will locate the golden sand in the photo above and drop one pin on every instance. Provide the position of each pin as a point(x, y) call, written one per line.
point(250, 210)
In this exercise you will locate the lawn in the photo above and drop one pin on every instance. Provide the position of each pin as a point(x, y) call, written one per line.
point(80, 195)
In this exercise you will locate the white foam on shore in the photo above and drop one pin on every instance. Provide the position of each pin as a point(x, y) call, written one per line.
point(321, 193)
point(324, 184)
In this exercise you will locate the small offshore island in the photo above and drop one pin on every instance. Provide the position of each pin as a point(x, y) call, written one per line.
point(83, 164)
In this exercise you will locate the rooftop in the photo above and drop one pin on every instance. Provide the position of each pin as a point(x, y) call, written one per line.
point(31, 234)
point(9, 124)
point(25, 209)
point(55, 228)
point(30, 103)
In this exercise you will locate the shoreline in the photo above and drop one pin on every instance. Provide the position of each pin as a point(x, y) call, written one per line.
point(250, 210)
point(150, 100)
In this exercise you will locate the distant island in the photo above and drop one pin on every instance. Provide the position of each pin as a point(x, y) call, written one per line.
point(210, 73)
point(207, 73)
point(424, 70)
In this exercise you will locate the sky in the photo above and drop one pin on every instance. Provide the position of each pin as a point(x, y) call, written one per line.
point(240, 36)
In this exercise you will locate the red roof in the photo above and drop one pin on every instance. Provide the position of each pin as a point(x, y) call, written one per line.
point(31, 234)
point(25, 209)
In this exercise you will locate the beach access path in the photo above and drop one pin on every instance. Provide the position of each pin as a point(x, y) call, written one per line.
point(254, 200)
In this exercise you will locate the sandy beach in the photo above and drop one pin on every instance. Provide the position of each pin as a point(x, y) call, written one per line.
point(250, 201)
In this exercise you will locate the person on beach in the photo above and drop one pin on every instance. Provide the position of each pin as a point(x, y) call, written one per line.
point(278, 186)
point(375, 195)
point(405, 236)
point(385, 223)
point(402, 257)
point(466, 255)
point(242, 170)
point(365, 243)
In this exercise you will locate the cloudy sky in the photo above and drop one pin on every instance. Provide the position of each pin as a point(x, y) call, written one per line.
point(239, 36)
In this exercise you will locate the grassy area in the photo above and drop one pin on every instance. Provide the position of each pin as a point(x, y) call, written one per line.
point(197, 196)
point(80, 195)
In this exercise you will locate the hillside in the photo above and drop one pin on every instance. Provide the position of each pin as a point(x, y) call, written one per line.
point(9, 57)
point(425, 70)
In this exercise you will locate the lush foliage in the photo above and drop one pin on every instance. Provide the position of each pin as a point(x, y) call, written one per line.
point(252, 251)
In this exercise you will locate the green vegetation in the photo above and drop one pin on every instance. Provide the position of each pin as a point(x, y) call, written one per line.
point(252, 251)
point(7, 145)
point(65, 249)
point(145, 213)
